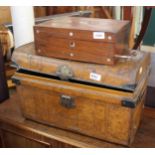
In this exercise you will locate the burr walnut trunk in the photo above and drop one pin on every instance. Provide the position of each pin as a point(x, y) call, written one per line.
point(83, 39)
point(100, 101)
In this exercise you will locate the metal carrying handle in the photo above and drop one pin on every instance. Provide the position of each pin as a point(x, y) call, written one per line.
point(133, 54)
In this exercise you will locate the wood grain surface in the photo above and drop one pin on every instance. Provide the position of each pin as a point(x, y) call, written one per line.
point(97, 112)
point(86, 109)
point(13, 125)
point(90, 24)
point(73, 39)
point(127, 73)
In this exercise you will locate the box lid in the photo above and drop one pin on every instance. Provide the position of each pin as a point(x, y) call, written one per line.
point(84, 29)
point(125, 75)
point(87, 24)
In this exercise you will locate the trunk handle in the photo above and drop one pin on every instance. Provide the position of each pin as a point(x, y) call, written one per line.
point(133, 54)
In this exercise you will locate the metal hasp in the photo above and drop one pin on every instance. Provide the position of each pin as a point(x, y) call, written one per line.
point(64, 72)
point(67, 101)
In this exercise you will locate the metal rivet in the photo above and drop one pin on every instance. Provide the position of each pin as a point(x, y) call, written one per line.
point(37, 31)
point(39, 50)
point(135, 127)
point(71, 34)
point(71, 54)
point(109, 37)
point(108, 59)
point(140, 70)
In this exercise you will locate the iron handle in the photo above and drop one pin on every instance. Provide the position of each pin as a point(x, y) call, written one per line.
point(132, 55)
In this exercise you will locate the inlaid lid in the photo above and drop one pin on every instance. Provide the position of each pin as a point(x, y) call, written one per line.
point(87, 24)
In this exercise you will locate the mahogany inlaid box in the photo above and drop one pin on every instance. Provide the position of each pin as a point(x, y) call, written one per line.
point(92, 40)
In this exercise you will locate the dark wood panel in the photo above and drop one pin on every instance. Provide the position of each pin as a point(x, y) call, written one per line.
point(88, 39)
point(149, 112)
point(50, 10)
point(150, 99)
point(62, 48)
point(14, 136)
point(1, 145)
point(12, 140)
point(4, 94)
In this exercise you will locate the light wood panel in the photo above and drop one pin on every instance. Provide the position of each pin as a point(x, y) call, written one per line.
point(5, 14)
point(12, 124)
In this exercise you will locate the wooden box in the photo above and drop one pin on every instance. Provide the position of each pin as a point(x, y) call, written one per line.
point(83, 39)
point(83, 100)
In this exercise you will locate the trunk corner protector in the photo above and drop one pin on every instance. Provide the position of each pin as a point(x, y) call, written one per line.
point(15, 81)
point(129, 103)
point(133, 103)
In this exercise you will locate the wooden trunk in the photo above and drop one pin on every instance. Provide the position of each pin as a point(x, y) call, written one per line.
point(74, 103)
point(16, 131)
point(82, 39)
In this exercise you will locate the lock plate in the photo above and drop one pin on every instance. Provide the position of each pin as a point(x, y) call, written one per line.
point(67, 101)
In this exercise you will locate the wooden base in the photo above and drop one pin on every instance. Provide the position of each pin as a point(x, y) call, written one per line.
point(15, 131)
